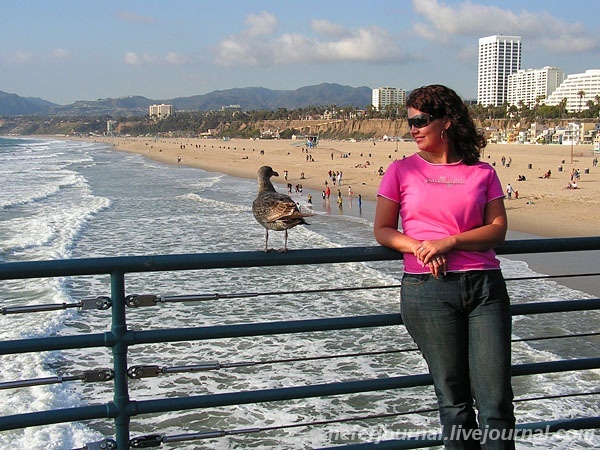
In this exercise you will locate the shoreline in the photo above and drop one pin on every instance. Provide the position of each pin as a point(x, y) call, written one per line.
point(545, 207)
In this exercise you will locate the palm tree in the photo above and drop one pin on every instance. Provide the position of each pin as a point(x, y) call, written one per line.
point(536, 106)
point(591, 109)
point(580, 94)
point(562, 107)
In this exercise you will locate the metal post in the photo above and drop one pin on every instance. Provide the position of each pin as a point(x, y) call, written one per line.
point(571, 137)
point(119, 350)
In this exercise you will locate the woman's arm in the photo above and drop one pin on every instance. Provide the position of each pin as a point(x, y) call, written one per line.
point(489, 235)
point(385, 227)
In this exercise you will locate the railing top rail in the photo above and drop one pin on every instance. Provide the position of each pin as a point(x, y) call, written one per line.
point(195, 261)
point(120, 337)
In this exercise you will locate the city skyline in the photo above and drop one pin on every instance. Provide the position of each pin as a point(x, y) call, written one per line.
point(65, 51)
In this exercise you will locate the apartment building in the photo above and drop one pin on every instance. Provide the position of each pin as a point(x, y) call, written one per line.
point(161, 111)
point(385, 96)
point(531, 85)
point(499, 56)
point(578, 89)
point(111, 126)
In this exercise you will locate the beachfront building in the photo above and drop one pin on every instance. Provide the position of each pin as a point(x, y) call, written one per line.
point(533, 86)
point(330, 114)
point(111, 126)
point(578, 89)
point(589, 132)
point(499, 57)
point(575, 133)
point(537, 133)
point(231, 108)
point(160, 111)
point(385, 96)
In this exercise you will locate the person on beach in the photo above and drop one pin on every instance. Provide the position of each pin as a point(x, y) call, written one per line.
point(454, 300)
point(509, 191)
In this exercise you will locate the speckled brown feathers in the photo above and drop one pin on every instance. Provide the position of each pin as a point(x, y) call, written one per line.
point(273, 210)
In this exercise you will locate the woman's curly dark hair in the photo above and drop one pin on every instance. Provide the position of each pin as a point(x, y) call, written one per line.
point(441, 101)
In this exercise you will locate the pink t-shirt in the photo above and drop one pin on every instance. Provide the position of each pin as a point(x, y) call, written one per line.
point(439, 200)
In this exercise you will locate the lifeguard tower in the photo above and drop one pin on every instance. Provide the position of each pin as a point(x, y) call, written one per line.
point(312, 141)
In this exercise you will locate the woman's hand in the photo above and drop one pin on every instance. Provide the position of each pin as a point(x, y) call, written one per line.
point(433, 255)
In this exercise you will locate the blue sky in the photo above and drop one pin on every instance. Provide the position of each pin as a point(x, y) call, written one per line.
point(69, 50)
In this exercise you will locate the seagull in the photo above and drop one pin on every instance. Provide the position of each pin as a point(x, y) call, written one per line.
point(275, 211)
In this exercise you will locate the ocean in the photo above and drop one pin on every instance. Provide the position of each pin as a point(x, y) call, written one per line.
point(74, 199)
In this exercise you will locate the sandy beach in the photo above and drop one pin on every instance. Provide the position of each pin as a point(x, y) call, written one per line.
point(544, 207)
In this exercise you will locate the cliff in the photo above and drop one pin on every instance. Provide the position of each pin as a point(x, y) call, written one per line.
point(374, 128)
point(336, 128)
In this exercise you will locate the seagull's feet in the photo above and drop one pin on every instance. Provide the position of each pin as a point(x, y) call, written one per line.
point(273, 250)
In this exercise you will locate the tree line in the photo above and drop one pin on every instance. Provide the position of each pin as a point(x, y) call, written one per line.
point(236, 123)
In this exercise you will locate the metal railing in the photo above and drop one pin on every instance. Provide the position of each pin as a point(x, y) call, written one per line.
point(120, 338)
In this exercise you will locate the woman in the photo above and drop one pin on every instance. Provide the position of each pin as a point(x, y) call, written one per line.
point(453, 296)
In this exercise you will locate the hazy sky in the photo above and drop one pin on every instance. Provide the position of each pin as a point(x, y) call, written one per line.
point(69, 50)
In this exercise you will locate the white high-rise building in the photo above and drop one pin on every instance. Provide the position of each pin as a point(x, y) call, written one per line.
point(578, 89)
point(385, 96)
point(530, 85)
point(499, 57)
point(161, 111)
point(110, 126)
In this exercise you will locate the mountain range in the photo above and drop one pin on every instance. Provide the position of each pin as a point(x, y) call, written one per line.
point(249, 99)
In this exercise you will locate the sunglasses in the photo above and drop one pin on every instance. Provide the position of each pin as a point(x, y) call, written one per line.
point(420, 120)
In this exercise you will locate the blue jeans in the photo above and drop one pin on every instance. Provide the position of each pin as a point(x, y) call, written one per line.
point(462, 324)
